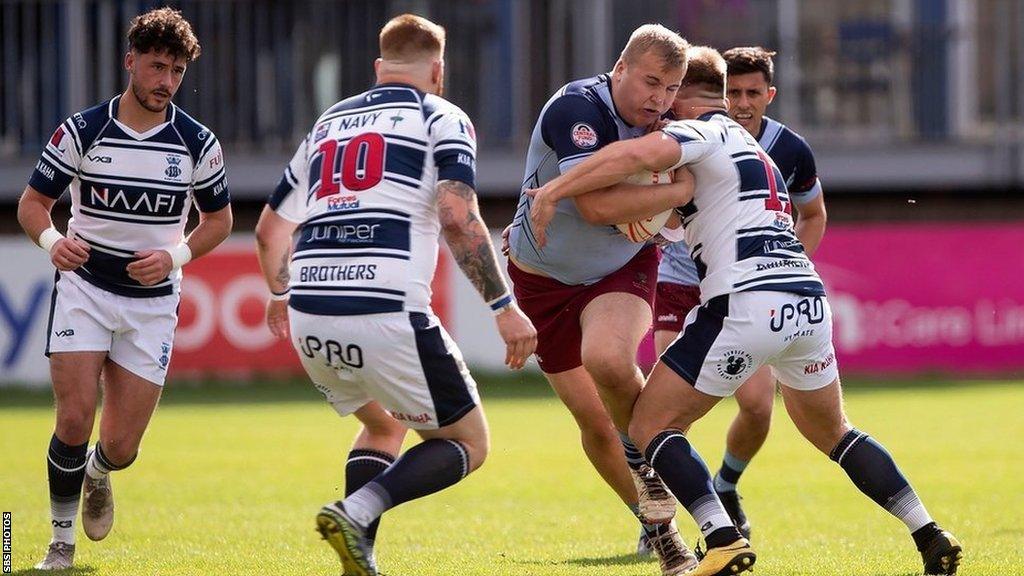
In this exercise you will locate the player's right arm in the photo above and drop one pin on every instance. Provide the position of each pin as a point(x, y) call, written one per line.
point(470, 243)
point(655, 152)
point(57, 167)
point(34, 216)
point(284, 211)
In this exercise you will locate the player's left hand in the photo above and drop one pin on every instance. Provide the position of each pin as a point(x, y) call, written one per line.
point(277, 318)
point(542, 211)
point(150, 266)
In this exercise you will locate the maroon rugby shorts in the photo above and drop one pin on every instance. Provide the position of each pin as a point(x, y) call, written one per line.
point(555, 308)
point(672, 304)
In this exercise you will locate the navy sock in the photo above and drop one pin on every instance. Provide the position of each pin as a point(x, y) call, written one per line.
point(634, 458)
point(686, 475)
point(65, 470)
point(362, 467)
point(875, 473)
point(428, 467)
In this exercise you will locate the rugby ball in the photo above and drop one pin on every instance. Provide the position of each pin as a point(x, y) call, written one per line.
point(644, 230)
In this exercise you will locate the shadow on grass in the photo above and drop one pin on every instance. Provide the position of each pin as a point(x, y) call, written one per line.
point(73, 571)
point(492, 385)
point(284, 390)
point(620, 560)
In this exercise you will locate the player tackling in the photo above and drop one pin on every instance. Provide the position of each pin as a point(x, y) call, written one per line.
point(762, 302)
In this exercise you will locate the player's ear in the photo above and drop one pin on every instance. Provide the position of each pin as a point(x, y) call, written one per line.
point(376, 65)
point(129, 60)
point(771, 93)
point(437, 71)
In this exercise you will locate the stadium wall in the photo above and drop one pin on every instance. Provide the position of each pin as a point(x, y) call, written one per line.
point(908, 299)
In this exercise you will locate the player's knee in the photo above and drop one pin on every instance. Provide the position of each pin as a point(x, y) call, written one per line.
point(599, 436)
point(825, 436)
point(610, 369)
point(477, 449)
point(74, 426)
point(757, 412)
point(120, 451)
point(641, 431)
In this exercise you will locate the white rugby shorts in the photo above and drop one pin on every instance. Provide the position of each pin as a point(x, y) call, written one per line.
point(725, 340)
point(136, 333)
point(406, 361)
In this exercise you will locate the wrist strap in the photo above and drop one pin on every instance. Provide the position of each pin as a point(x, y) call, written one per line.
point(501, 303)
point(180, 255)
point(48, 238)
point(280, 297)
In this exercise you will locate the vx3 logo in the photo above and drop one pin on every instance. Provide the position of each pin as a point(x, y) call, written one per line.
point(98, 158)
point(64, 333)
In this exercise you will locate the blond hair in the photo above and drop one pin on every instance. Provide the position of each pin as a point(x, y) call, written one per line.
point(411, 38)
point(665, 44)
point(705, 68)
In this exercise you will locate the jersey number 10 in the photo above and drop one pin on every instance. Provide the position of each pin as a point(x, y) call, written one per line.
point(362, 164)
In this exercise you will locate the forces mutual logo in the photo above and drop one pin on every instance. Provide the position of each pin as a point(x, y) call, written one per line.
point(734, 365)
point(165, 355)
point(583, 136)
point(173, 169)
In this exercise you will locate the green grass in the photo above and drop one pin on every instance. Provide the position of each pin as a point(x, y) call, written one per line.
point(230, 478)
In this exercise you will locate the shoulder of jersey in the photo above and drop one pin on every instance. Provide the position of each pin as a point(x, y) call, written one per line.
point(88, 123)
point(433, 104)
point(196, 136)
point(787, 133)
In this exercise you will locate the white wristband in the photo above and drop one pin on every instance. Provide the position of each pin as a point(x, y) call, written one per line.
point(48, 238)
point(180, 255)
point(275, 297)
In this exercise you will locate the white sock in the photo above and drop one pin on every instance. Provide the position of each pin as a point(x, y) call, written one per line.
point(94, 468)
point(62, 518)
point(367, 504)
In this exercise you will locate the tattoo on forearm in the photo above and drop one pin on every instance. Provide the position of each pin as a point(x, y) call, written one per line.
point(471, 246)
point(283, 276)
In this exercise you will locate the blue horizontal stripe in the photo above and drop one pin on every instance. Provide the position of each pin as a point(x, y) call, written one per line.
point(170, 149)
point(109, 282)
point(804, 288)
point(333, 288)
point(344, 305)
point(348, 254)
point(113, 218)
point(356, 211)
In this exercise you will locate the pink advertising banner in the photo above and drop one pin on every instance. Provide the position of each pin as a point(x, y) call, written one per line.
point(922, 297)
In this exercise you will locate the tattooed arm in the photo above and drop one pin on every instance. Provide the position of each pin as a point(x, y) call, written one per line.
point(470, 244)
point(274, 246)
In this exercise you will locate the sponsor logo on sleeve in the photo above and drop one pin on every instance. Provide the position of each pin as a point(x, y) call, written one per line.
point(583, 135)
point(321, 131)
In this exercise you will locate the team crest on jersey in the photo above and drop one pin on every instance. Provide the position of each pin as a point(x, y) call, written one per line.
point(583, 135)
point(173, 169)
point(735, 364)
point(335, 203)
point(321, 131)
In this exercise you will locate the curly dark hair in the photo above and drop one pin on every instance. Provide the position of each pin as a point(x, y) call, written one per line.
point(747, 59)
point(163, 30)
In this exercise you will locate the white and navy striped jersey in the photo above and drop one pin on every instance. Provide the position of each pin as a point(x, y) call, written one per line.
point(576, 122)
point(739, 225)
point(793, 156)
point(131, 191)
point(362, 187)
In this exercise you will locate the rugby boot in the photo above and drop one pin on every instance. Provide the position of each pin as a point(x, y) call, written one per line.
point(675, 558)
point(726, 560)
point(59, 556)
point(656, 504)
point(97, 507)
point(731, 502)
point(348, 539)
point(942, 555)
point(643, 545)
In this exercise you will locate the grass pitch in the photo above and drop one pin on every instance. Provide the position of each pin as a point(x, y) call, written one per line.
point(230, 478)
